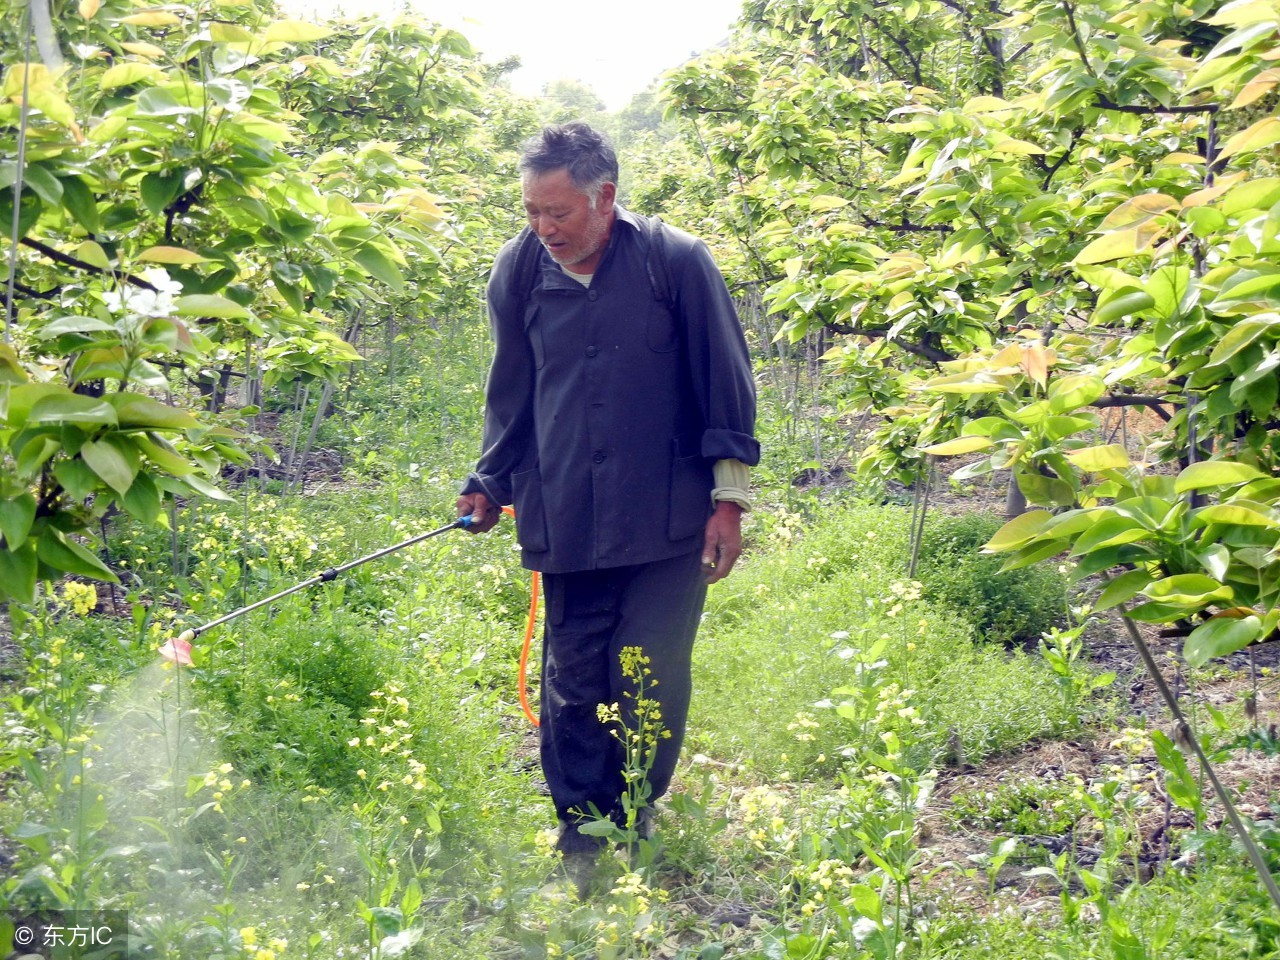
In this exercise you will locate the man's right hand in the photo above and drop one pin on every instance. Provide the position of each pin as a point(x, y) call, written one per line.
point(484, 514)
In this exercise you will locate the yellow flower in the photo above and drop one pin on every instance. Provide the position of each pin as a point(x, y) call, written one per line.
point(249, 936)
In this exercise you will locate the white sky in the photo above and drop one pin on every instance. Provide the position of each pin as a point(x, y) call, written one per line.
point(616, 49)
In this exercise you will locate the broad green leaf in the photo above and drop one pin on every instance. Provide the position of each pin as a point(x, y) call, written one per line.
point(80, 201)
point(1157, 611)
point(1111, 456)
point(16, 516)
point(1122, 588)
point(1018, 531)
point(1071, 393)
point(66, 407)
point(1060, 427)
point(112, 459)
point(209, 305)
point(1219, 637)
point(1040, 490)
point(1030, 555)
point(158, 190)
point(379, 265)
point(1125, 304)
point(12, 372)
point(1114, 530)
point(1240, 337)
point(18, 574)
point(959, 445)
point(143, 501)
point(1180, 783)
point(58, 327)
point(1257, 194)
point(48, 187)
point(136, 410)
point(1187, 588)
point(1216, 473)
point(1216, 561)
point(163, 455)
point(76, 478)
point(1233, 513)
point(67, 556)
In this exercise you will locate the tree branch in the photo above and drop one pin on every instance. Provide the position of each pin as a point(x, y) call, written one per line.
point(34, 294)
point(1109, 104)
point(923, 350)
point(905, 227)
point(1077, 40)
point(1155, 404)
point(57, 256)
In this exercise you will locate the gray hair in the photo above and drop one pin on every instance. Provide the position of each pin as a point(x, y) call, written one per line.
point(576, 147)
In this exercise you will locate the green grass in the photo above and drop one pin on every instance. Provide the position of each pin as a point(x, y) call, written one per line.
point(351, 763)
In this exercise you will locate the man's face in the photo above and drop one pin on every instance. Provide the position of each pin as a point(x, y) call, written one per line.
point(561, 215)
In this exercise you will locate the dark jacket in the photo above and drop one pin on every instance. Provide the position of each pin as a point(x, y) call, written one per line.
point(605, 409)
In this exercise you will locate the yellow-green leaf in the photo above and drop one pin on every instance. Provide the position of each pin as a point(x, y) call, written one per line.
point(824, 202)
point(1110, 456)
point(152, 18)
point(957, 446)
point(1017, 148)
point(221, 32)
point(173, 255)
point(1113, 246)
point(985, 104)
point(1262, 134)
point(296, 31)
point(93, 254)
point(143, 49)
point(127, 74)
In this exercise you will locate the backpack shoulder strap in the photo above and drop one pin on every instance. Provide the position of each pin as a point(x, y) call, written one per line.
point(657, 264)
point(528, 264)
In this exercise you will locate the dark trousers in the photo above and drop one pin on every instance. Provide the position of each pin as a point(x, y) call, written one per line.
point(591, 617)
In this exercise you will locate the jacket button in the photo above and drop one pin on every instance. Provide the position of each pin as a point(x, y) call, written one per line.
point(592, 351)
point(593, 294)
point(597, 457)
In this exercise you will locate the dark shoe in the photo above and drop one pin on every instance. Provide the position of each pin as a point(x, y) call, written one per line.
point(580, 855)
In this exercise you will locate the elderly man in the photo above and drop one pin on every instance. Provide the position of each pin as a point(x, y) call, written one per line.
point(619, 421)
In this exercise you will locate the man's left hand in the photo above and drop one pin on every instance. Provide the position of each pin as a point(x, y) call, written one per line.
point(723, 541)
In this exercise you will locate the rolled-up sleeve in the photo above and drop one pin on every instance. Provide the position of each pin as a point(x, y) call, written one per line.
point(719, 363)
point(508, 414)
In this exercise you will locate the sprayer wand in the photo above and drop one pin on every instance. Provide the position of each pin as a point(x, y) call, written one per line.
point(332, 573)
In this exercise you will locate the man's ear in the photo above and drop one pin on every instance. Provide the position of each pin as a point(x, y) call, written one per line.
point(608, 193)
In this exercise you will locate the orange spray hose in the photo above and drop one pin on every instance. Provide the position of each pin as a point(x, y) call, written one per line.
point(522, 679)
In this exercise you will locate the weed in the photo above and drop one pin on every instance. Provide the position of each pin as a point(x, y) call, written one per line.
point(1010, 607)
